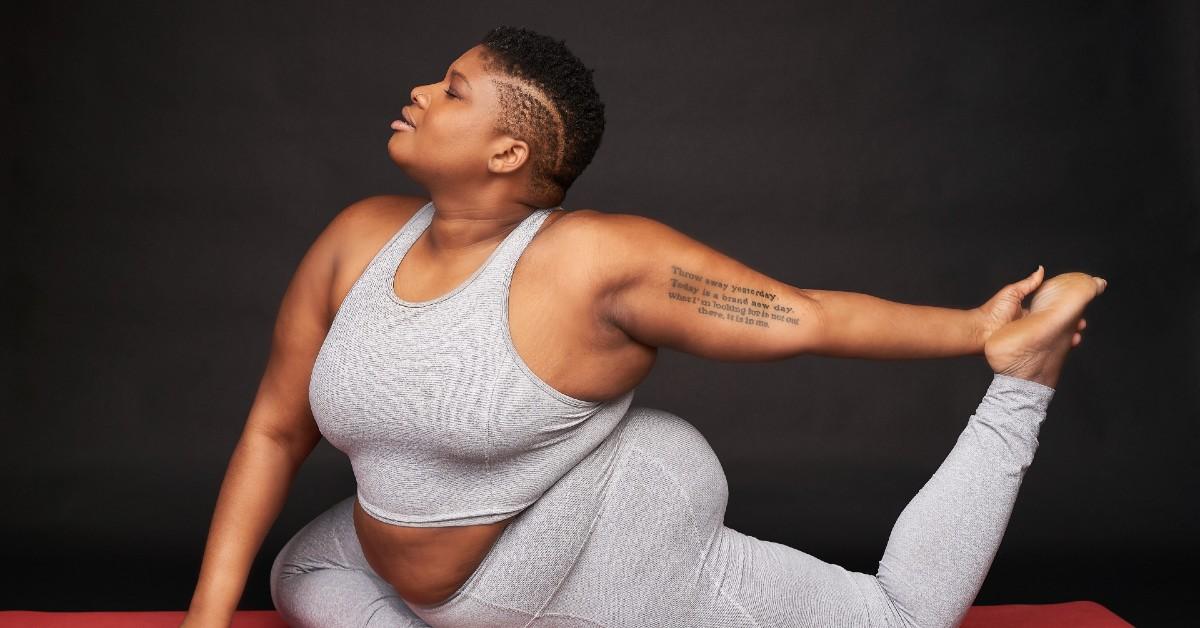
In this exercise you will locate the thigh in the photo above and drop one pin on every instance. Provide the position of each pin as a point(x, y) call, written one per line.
point(321, 578)
point(779, 585)
point(659, 553)
point(654, 556)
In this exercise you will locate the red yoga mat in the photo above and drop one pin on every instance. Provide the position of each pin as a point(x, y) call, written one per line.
point(1065, 615)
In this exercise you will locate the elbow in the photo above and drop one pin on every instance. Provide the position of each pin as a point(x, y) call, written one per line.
point(815, 323)
point(295, 445)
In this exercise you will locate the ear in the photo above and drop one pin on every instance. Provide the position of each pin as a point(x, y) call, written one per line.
point(510, 155)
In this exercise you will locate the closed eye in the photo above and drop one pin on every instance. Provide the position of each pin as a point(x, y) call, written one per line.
point(450, 93)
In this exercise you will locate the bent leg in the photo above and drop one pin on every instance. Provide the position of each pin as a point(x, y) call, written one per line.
point(620, 541)
point(660, 555)
point(320, 579)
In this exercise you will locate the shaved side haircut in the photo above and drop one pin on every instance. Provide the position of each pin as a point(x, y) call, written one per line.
point(547, 99)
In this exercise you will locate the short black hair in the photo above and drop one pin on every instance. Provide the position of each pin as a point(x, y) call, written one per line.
point(550, 102)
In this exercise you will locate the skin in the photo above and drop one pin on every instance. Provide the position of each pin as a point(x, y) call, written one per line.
point(592, 299)
point(1035, 347)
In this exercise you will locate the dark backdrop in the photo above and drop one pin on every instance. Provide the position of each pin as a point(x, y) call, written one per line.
point(168, 163)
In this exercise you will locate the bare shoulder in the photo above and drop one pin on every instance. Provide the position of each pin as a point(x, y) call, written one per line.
point(359, 231)
point(366, 222)
point(604, 243)
point(595, 256)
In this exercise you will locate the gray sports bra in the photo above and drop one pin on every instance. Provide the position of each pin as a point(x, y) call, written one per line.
point(443, 422)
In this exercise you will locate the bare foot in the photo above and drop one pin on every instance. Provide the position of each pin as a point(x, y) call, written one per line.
point(1034, 346)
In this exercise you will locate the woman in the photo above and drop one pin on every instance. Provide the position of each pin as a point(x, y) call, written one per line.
point(504, 476)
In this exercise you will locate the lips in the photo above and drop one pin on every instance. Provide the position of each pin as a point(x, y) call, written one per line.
point(404, 123)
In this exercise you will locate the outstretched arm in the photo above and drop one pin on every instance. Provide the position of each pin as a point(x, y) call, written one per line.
point(859, 325)
point(666, 289)
point(280, 431)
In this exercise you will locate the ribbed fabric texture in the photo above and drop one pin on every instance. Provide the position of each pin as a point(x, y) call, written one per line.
point(633, 536)
point(443, 422)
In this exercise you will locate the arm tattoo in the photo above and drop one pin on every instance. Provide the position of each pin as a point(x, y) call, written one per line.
point(727, 301)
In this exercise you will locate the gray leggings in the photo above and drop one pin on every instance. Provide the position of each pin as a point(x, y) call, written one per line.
point(634, 535)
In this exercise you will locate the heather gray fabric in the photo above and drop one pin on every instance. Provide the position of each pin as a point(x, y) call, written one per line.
point(443, 422)
point(633, 535)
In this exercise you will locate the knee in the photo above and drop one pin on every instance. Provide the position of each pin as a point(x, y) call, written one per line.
point(281, 569)
point(672, 439)
point(909, 602)
point(276, 575)
point(685, 453)
point(312, 547)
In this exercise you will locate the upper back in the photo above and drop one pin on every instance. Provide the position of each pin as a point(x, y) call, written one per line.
point(442, 420)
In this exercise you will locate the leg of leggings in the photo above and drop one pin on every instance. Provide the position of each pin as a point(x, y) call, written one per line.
point(937, 556)
point(320, 579)
point(943, 543)
point(940, 548)
point(688, 569)
point(658, 553)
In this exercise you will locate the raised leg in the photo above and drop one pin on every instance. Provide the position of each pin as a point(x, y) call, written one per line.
point(943, 543)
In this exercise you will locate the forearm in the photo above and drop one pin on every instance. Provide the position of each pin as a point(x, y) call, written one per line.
point(855, 325)
point(252, 493)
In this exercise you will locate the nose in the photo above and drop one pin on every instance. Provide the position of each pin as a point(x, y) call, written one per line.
point(416, 94)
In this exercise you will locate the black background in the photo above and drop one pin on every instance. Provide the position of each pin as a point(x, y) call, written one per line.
point(168, 163)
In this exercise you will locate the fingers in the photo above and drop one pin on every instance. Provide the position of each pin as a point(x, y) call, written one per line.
point(1082, 324)
point(1030, 283)
point(1076, 339)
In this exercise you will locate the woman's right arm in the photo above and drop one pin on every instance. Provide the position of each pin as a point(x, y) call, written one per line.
point(280, 431)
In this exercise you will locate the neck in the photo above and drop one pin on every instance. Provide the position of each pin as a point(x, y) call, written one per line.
point(462, 229)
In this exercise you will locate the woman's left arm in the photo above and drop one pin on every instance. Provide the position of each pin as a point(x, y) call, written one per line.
point(666, 289)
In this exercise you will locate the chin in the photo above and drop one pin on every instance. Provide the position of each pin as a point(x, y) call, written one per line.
point(406, 167)
point(397, 156)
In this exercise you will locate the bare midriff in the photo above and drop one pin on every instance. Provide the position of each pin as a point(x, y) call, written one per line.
point(425, 565)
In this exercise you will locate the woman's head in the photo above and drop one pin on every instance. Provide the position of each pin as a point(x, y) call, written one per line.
point(518, 110)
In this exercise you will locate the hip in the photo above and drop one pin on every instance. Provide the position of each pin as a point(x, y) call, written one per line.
point(426, 565)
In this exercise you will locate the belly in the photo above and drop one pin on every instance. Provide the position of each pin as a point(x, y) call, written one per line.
point(425, 565)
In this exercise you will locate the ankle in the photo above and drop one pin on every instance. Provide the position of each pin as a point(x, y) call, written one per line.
point(1043, 376)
